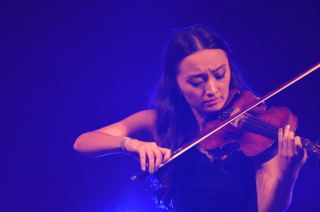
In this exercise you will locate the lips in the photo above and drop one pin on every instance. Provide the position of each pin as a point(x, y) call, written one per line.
point(213, 101)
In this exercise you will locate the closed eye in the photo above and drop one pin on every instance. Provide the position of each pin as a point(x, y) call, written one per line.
point(196, 84)
point(220, 73)
point(220, 76)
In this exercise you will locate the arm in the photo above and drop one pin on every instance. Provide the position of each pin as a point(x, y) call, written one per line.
point(275, 179)
point(107, 140)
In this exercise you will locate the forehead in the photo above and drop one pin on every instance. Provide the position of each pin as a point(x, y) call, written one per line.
point(202, 61)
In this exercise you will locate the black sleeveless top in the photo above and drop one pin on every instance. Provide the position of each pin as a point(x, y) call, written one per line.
point(227, 185)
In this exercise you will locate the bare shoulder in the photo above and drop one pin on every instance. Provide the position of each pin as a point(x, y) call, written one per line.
point(138, 122)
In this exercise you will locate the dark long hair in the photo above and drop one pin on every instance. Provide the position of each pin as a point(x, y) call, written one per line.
point(175, 123)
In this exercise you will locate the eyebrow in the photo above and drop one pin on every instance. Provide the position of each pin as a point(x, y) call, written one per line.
point(202, 74)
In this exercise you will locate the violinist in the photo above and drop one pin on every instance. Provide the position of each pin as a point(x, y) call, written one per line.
point(195, 85)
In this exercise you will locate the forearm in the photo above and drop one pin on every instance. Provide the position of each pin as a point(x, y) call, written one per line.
point(279, 197)
point(275, 179)
point(95, 144)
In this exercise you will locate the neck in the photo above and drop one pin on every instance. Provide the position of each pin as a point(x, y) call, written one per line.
point(200, 117)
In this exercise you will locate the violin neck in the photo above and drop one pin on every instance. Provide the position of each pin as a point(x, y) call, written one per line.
point(256, 125)
point(310, 146)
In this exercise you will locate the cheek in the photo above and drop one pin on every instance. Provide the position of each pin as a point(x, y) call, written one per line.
point(227, 80)
point(227, 84)
point(226, 87)
point(192, 96)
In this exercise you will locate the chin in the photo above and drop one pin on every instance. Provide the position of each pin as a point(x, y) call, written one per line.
point(214, 108)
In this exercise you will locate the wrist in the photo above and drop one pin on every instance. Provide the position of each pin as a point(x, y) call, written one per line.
point(287, 178)
point(128, 144)
point(124, 143)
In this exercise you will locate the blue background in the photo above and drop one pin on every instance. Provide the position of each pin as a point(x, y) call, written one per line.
point(68, 67)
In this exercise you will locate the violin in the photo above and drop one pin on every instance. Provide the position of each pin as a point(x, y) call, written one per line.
point(245, 125)
point(254, 133)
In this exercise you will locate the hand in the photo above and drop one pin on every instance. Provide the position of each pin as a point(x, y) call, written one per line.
point(150, 154)
point(291, 155)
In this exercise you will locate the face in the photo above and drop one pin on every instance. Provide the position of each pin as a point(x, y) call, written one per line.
point(204, 79)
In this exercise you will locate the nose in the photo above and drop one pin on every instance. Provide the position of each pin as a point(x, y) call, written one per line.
point(211, 88)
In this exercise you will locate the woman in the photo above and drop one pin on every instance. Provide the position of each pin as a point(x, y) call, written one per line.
point(194, 87)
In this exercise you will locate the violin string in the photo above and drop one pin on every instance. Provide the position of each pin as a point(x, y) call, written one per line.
point(256, 122)
point(260, 123)
point(266, 126)
point(312, 146)
point(306, 142)
point(273, 129)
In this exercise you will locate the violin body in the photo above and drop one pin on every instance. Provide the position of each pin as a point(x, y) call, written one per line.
point(253, 133)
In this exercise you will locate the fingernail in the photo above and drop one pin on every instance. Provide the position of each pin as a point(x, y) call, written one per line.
point(280, 129)
point(151, 171)
point(143, 168)
point(287, 126)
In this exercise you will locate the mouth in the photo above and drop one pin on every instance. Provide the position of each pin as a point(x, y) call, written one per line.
point(213, 101)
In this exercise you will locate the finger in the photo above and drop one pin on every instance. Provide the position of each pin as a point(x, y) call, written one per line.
point(158, 155)
point(142, 154)
point(166, 153)
point(150, 160)
point(291, 145)
point(302, 152)
point(285, 140)
point(305, 155)
point(280, 139)
point(286, 132)
point(298, 145)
